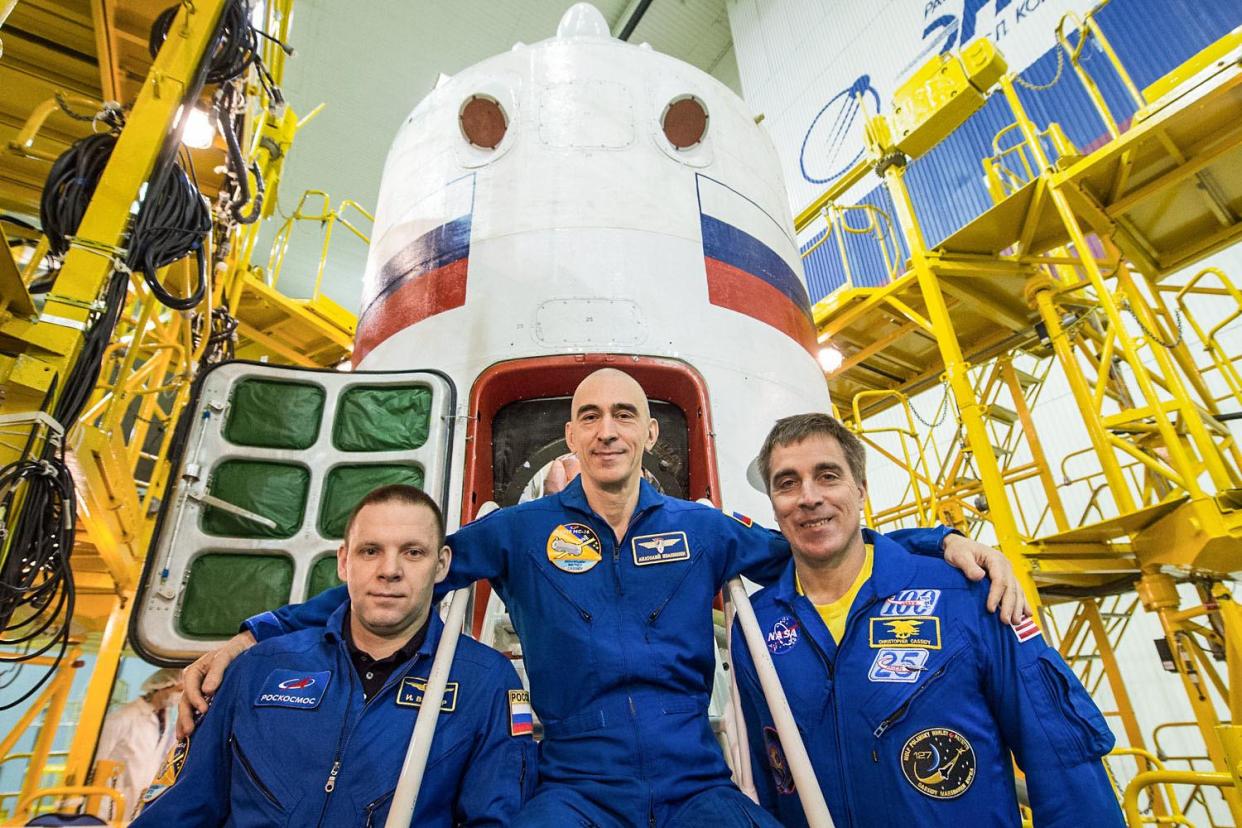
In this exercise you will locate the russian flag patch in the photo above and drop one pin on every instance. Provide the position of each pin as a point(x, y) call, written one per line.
point(521, 721)
point(742, 519)
point(1026, 629)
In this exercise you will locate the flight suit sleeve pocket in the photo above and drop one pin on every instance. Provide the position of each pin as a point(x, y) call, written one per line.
point(1073, 723)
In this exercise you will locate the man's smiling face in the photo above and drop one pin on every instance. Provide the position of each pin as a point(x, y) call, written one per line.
point(817, 502)
point(610, 427)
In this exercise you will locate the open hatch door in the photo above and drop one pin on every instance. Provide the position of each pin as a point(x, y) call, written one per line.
point(271, 462)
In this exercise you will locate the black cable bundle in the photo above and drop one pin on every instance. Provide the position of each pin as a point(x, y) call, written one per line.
point(70, 187)
point(172, 222)
point(235, 52)
point(36, 587)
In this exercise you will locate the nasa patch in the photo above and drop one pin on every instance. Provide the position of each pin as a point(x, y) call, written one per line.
point(905, 632)
point(412, 689)
point(783, 635)
point(174, 761)
point(782, 776)
point(911, 602)
point(294, 689)
point(662, 548)
point(897, 665)
point(939, 763)
point(574, 547)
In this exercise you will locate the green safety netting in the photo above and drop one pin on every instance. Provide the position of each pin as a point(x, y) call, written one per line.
point(346, 485)
point(274, 490)
point(382, 419)
point(225, 589)
point(323, 576)
point(274, 414)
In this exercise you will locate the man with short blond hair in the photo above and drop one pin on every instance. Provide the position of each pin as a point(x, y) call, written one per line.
point(311, 728)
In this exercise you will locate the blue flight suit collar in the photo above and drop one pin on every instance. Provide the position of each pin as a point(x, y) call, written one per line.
point(334, 632)
point(892, 570)
point(574, 497)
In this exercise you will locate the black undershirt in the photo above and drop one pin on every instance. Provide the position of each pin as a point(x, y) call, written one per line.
point(374, 673)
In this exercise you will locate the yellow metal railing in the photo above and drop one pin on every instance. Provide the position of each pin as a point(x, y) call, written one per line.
point(1012, 166)
point(877, 227)
point(1147, 779)
point(1088, 31)
point(1176, 815)
point(26, 807)
point(327, 218)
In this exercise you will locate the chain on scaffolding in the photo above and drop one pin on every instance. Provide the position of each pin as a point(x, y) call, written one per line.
point(1056, 76)
point(1151, 335)
point(943, 409)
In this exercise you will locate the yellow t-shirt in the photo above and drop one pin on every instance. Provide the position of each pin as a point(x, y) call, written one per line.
point(835, 613)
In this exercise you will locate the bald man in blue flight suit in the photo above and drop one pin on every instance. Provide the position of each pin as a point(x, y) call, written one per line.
point(908, 694)
point(610, 587)
point(311, 728)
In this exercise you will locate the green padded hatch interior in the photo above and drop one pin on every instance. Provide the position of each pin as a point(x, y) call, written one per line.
point(346, 485)
point(274, 490)
point(226, 588)
point(273, 414)
point(323, 576)
point(372, 418)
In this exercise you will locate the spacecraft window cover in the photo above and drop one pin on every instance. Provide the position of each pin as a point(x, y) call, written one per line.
point(272, 414)
point(346, 485)
point(275, 490)
point(382, 418)
point(483, 121)
point(684, 122)
point(224, 589)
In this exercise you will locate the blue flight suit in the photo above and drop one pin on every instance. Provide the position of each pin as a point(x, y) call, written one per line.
point(289, 740)
point(912, 718)
point(618, 645)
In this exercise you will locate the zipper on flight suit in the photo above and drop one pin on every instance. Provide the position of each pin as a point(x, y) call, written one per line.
point(836, 696)
point(330, 785)
point(900, 713)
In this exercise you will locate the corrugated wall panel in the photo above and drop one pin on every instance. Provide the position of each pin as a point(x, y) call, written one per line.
point(947, 185)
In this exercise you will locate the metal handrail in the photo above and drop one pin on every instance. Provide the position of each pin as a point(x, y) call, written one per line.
point(1165, 777)
point(1087, 29)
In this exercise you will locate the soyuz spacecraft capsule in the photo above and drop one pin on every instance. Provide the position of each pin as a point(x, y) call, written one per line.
point(585, 196)
point(572, 204)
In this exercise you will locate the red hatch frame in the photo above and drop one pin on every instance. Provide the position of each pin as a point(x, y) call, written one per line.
point(665, 380)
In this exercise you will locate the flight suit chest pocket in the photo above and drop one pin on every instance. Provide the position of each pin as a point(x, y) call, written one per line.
point(254, 780)
point(910, 679)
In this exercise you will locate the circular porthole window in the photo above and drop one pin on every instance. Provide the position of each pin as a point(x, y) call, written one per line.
point(684, 122)
point(483, 121)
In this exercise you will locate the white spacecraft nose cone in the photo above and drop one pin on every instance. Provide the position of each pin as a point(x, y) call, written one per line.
point(583, 20)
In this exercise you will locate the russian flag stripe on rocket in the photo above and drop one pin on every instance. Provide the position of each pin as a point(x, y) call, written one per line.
point(745, 273)
point(427, 275)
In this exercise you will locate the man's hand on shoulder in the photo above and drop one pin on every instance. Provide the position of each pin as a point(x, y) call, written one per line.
point(202, 679)
point(975, 560)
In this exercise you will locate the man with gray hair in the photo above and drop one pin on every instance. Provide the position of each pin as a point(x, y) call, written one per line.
point(908, 694)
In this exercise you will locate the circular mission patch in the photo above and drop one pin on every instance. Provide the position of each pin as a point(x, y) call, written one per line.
point(574, 547)
point(939, 763)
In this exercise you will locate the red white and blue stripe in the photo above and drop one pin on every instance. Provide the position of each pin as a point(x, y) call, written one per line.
point(521, 720)
point(426, 276)
point(749, 262)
